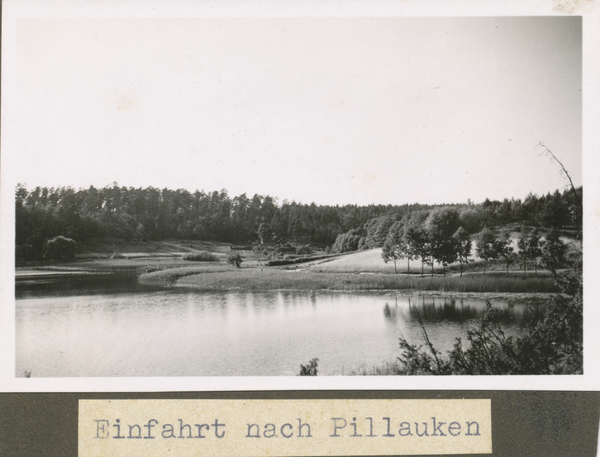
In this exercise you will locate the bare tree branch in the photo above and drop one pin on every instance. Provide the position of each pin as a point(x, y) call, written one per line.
point(548, 152)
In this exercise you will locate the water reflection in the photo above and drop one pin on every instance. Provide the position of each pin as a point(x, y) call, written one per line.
point(189, 333)
point(458, 310)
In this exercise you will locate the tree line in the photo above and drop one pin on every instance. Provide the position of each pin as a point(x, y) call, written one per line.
point(438, 237)
point(114, 214)
point(557, 210)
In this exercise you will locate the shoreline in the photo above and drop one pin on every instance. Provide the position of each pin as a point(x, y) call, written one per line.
point(504, 296)
point(217, 276)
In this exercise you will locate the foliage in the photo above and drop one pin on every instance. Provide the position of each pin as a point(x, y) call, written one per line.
point(417, 241)
point(441, 225)
point(116, 213)
point(26, 252)
point(395, 247)
point(202, 256)
point(304, 250)
point(310, 369)
point(471, 219)
point(486, 246)
point(60, 248)
point(576, 211)
point(530, 247)
point(504, 249)
point(463, 246)
point(234, 258)
point(346, 242)
point(387, 368)
point(274, 252)
point(553, 251)
point(265, 233)
point(551, 342)
point(377, 230)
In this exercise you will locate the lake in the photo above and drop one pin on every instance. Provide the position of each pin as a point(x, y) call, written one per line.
point(180, 332)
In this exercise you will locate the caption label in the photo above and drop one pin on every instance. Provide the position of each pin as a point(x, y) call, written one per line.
point(283, 427)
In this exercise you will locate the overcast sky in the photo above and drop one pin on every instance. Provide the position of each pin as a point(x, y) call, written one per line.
point(335, 111)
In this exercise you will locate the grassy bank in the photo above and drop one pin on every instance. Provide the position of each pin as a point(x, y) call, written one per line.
point(274, 279)
point(171, 275)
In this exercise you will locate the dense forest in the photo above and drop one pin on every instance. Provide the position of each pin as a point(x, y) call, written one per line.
point(116, 214)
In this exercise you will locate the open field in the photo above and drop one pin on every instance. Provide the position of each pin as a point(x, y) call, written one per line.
point(371, 262)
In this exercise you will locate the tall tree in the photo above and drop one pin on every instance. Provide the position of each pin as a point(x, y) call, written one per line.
point(486, 246)
point(264, 233)
point(463, 246)
point(553, 251)
point(418, 243)
point(441, 224)
point(534, 248)
point(505, 249)
point(394, 248)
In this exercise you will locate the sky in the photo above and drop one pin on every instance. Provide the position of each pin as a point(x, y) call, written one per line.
point(324, 110)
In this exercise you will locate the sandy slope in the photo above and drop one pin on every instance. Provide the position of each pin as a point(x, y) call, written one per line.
point(369, 262)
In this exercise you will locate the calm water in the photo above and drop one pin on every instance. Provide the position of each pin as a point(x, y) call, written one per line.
point(190, 333)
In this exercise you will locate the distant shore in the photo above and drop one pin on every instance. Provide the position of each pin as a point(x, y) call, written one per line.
point(163, 264)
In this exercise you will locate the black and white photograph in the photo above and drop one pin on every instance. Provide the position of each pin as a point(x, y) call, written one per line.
point(370, 199)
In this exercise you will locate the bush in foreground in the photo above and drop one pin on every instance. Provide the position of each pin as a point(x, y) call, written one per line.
point(548, 344)
point(311, 369)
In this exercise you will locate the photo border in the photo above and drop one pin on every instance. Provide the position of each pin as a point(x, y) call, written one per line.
point(26, 9)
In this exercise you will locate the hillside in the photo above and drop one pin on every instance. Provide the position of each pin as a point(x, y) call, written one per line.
point(371, 261)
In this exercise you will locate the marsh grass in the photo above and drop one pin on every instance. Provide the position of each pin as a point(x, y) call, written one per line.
point(171, 275)
point(393, 368)
point(274, 279)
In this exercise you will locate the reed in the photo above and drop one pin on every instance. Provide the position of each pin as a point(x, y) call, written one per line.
point(393, 368)
point(274, 279)
point(169, 276)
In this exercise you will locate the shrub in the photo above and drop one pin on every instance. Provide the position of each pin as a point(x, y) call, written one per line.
point(234, 258)
point(302, 250)
point(550, 343)
point(287, 247)
point(60, 248)
point(346, 242)
point(310, 369)
point(201, 256)
point(274, 253)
